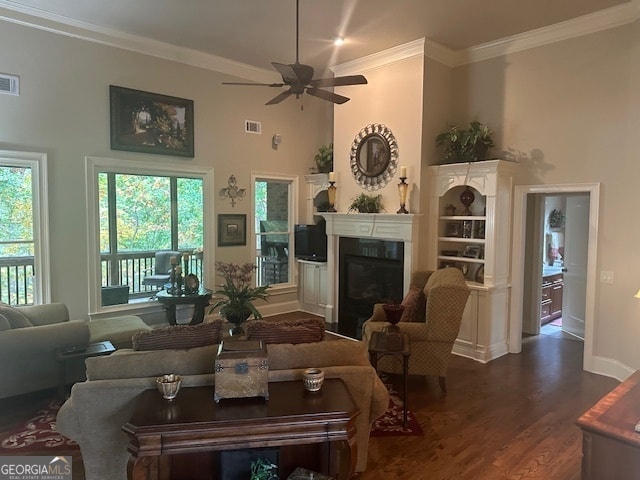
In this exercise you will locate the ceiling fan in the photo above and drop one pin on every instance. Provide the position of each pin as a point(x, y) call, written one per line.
point(299, 79)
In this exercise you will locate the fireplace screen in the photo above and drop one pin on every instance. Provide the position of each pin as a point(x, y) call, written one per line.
point(370, 272)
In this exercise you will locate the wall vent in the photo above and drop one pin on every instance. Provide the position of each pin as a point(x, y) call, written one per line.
point(252, 127)
point(9, 84)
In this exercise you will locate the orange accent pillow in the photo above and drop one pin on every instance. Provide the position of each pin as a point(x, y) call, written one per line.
point(415, 304)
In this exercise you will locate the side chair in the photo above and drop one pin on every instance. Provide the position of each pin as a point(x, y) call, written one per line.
point(434, 308)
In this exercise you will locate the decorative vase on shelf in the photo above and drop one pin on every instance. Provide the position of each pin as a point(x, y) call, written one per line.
point(467, 197)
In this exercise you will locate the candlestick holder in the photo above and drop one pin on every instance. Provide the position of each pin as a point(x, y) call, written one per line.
point(331, 193)
point(172, 279)
point(402, 192)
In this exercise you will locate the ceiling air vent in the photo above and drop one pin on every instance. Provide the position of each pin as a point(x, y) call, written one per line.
point(252, 127)
point(9, 84)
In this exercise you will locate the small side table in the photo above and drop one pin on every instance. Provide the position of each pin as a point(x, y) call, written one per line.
point(199, 301)
point(64, 355)
point(379, 347)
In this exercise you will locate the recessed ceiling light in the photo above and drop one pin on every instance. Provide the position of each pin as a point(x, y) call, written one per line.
point(338, 41)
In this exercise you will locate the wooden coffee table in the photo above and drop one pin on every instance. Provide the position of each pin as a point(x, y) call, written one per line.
point(291, 418)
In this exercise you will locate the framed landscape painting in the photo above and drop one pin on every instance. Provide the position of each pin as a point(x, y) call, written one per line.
point(232, 229)
point(150, 123)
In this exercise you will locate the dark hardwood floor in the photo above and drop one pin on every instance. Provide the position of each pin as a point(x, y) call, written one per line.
point(513, 418)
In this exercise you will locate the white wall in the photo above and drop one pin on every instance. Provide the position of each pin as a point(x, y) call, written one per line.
point(569, 112)
point(63, 110)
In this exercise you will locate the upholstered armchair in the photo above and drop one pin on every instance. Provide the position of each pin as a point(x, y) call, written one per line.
point(433, 312)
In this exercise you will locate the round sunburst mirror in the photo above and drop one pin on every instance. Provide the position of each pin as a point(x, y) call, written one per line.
point(374, 156)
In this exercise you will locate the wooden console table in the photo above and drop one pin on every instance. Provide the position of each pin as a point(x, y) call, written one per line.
point(610, 445)
point(292, 417)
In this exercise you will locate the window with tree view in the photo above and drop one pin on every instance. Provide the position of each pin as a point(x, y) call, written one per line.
point(17, 244)
point(273, 227)
point(140, 215)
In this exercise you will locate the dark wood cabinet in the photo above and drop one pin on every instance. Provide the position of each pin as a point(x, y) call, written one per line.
point(551, 299)
point(610, 445)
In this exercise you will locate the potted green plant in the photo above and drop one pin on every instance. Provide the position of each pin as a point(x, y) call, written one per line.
point(470, 145)
point(262, 469)
point(366, 204)
point(324, 159)
point(238, 294)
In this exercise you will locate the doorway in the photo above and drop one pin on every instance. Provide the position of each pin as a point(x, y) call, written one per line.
point(557, 230)
point(527, 259)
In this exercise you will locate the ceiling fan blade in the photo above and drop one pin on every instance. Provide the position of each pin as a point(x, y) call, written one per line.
point(339, 81)
point(255, 84)
point(289, 75)
point(279, 98)
point(324, 95)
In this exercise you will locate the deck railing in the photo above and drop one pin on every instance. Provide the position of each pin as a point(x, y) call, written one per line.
point(16, 275)
point(16, 280)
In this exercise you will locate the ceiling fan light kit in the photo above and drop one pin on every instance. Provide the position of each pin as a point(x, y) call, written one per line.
point(299, 78)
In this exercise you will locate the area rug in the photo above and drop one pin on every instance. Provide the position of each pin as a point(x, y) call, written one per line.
point(37, 435)
point(390, 423)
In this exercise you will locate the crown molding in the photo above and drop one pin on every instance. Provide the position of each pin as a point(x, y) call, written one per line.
point(42, 20)
point(587, 24)
point(379, 59)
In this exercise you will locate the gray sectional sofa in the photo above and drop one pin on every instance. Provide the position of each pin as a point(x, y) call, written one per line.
point(28, 348)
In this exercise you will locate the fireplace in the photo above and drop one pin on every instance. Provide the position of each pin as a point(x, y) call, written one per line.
point(370, 272)
point(376, 246)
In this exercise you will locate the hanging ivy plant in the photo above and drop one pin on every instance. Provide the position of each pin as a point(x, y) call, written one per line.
point(556, 218)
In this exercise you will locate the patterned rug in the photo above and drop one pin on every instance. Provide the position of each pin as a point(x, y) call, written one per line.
point(37, 435)
point(390, 423)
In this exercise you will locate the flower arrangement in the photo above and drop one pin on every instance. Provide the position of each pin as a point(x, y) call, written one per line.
point(238, 293)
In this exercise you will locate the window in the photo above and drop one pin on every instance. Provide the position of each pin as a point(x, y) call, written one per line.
point(274, 217)
point(24, 257)
point(140, 210)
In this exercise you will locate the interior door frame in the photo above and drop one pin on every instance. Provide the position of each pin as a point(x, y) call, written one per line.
point(521, 193)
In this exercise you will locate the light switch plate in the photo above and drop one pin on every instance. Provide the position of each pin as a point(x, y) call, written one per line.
point(606, 276)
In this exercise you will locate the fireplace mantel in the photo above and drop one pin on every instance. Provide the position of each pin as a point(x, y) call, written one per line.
point(380, 226)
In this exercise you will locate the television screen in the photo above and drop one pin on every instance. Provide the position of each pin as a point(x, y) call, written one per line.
point(310, 242)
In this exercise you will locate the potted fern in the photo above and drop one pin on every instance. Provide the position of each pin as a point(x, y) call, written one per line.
point(366, 204)
point(324, 159)
point(470, 145)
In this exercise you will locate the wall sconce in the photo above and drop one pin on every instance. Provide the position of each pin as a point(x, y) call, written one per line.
point(403, 187)
point(231, 191)
point(331, 192)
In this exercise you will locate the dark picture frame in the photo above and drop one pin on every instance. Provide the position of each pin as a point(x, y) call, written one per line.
point(453, 229)
point(472, 251)
point(232, 229)
point(150, 122)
